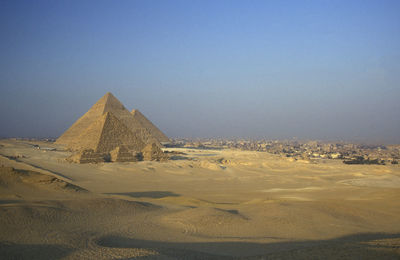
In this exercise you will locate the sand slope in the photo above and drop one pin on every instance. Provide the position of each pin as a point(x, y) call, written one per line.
point(215, 204)
point(10, 177)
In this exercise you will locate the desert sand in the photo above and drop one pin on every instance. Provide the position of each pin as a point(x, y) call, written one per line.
point(201, 204)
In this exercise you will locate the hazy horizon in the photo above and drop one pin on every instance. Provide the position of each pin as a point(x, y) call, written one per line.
point(324, 70)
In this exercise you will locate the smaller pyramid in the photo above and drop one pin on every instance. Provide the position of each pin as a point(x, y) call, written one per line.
point(88, 156)
point(152, 152)
point(122, 154)
point(147, 124)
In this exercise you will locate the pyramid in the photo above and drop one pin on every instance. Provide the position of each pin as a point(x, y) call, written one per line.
point(108, 103)
point(147, 124)
point(152, 152)
point(88, 156)
point(105, 134)
point(122, 154)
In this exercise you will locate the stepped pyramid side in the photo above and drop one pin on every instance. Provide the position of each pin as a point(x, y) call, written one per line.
point(122, 154)
point(88, 156)
point(147, 124)
point(115, 133)
point(105, 134)
point(89, 137)
point(108, 103)
point(126, 117)
point(152, 152)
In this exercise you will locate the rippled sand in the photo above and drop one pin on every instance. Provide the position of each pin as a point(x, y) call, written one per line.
point(204, 204)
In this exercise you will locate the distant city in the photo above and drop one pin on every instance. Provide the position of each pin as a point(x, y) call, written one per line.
point(350, 153)
point(312, 151)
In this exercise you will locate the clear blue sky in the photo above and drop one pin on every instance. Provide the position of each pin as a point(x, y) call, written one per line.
point(275, 69)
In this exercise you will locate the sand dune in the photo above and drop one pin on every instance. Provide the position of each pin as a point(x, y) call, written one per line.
point(10, 177)
point(205, 221)
point(222, 204)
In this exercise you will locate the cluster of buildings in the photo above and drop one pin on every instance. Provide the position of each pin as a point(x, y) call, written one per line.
point(350, 153)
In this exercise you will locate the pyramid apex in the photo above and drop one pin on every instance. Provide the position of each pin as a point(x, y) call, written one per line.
point(135, 111)
point(108, 96)
point(109, 103)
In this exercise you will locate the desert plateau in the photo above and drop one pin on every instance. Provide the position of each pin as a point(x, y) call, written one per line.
point(200, 204)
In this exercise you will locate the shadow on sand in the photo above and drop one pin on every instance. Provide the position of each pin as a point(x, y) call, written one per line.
point(37, 166)
point(4, 202)
point(147, 194)
point(180, 157)
point(360, 246)
point(35, 251)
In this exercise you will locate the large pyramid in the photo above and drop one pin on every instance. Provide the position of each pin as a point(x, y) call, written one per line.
point(108, 129)
point(154, 131)
point(108, 103)
point(105, 134)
